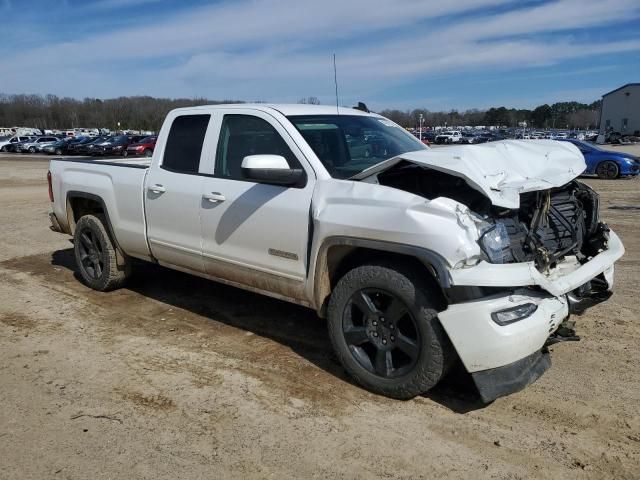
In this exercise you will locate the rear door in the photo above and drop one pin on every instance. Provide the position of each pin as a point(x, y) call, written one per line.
point(259, 230)
point(173, 194)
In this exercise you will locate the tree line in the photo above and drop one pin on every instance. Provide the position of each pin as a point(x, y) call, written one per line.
point(573, 115)
point(147, 113)
point(52, 112)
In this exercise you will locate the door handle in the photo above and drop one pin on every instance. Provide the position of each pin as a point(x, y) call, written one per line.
point(157, 188)
point(214, 197)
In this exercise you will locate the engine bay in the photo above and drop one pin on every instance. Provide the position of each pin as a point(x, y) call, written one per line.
point(549, 225)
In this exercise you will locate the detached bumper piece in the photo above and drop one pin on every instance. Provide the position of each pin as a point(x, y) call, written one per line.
point(501, 381)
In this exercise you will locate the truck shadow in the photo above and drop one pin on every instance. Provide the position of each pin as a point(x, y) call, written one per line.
point(292, 326)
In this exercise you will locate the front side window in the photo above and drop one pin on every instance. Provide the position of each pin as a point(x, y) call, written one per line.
point(244, 135)
point(348, 144)
point(184, 143)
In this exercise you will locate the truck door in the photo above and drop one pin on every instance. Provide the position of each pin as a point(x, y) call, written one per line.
point(255, 234)
point(173, 194)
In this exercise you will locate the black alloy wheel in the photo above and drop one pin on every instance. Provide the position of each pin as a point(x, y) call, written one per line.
point(91, 254)
point(381, 333)
point(608, 170)
point(100, 265)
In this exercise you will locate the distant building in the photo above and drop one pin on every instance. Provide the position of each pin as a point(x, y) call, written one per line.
point(620, 111)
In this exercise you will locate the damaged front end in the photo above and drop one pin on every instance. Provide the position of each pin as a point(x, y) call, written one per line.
point(554, 230)
point(550, 227)
point(542, 254)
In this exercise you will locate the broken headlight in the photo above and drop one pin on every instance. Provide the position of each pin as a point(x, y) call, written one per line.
point(514, 314)
point(494, 242)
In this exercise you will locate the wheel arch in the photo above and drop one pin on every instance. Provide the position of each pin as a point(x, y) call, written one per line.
point(337, 255)
point(82, 203)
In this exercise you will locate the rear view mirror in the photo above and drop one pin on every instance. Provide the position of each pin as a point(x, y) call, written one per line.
point(272, 169)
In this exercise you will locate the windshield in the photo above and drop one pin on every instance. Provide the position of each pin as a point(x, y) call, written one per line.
point(348, 144)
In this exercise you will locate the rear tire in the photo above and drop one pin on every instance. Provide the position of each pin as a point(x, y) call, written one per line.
point(96, 256)
point(608, 170)
point(58, 151)
point(384, 328)
point(148, 153)
point(32, 149)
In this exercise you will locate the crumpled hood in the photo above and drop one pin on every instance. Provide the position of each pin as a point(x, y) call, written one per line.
point(500, 170)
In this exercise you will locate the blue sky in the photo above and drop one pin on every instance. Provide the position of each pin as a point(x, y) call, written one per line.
point(439, 55)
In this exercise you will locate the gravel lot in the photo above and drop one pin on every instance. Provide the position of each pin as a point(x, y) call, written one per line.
point(177, 377)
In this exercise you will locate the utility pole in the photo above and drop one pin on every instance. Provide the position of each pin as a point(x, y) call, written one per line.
point(421, 119)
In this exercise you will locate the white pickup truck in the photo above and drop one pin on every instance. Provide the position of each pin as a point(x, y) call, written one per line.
point(449, 136)
point(416, 257)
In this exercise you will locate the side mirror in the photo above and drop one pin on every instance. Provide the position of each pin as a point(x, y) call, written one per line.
point(272, 169)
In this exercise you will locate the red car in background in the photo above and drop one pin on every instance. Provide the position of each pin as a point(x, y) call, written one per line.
point(143, 148)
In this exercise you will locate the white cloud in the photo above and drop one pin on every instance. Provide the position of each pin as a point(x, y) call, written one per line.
point(281, 49)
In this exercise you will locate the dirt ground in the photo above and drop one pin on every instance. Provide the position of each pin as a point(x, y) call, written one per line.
point(177, 377)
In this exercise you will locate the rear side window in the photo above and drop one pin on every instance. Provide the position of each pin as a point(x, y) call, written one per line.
point(244, 135)
point(184, 144)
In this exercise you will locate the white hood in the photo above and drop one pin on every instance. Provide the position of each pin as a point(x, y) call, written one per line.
point(500, 170)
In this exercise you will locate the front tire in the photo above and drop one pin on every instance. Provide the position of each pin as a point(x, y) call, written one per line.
point(608, 170)
point(96, 256)
point(384, 328)
point(32, 149)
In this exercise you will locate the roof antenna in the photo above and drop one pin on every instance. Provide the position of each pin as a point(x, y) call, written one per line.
point(335, 80)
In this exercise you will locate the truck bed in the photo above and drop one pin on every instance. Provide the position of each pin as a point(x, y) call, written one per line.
point(116, 183)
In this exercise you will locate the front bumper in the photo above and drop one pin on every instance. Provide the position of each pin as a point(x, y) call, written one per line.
point(501, 381)
point(482, 344)
point(503, 359)
point(567, 276)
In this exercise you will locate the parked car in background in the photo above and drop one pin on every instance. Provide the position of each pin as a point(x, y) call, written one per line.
point(428, 136)
point(143, 148)
point(73, 148)
point(136, 138)
point(9, 144)
point(468, 137)
point(111, 146)
point(449, 136)
point(17, 146)
point(606, 163)
point(484, 137)
point(85, 147)
point(36, 144)
point(60, 147)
